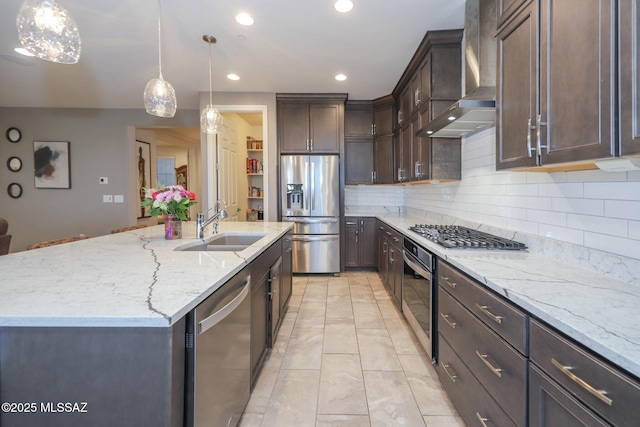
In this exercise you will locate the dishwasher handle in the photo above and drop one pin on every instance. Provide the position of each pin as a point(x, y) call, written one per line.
point(205, 324)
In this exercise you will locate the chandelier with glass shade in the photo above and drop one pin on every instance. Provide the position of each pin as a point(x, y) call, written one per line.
point(210, 119)
point(48, 31)
point(159, 95)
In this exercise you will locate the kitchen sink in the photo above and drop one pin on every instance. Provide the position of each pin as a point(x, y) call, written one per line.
point(229, 242)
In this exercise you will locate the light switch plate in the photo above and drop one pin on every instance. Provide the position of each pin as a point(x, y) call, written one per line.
point(107, 198)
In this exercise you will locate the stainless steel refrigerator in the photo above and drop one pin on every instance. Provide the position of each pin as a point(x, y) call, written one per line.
point(310, 194)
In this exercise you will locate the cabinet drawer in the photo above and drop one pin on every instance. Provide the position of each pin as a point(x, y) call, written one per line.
point(609, 392)
point(470, 399)
point(506, 320)
point(497, 366)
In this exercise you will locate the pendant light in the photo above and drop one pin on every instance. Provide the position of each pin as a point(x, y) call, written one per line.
point(210, 119)
point(159, 96)
point(48, 31)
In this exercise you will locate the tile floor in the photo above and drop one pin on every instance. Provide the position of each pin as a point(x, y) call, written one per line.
point(344, 356)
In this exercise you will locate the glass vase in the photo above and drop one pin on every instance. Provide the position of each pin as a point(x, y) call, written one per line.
point(172, 227)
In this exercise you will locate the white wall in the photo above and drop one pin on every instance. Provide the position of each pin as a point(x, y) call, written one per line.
point(591, 209)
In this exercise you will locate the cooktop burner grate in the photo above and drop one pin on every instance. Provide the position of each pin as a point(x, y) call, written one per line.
point(455, 236)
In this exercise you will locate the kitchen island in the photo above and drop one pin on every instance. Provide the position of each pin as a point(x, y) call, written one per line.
point(93, 332)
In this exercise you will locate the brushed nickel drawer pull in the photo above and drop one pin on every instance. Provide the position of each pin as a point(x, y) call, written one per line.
point(448, 282)
point(600, 394)
point(445, 368)
point(483, 420)
point(495, 370)
point(446, 319)
point(494, 317)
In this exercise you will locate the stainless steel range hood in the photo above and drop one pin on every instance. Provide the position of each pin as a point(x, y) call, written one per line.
point(477, 110)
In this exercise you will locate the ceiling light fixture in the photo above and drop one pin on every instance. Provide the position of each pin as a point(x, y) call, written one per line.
point(244, 19)
point(210, 119)
point(48, 31)
point(341, 77)
point(343, 5)
point(159, 95)
point(233, 76)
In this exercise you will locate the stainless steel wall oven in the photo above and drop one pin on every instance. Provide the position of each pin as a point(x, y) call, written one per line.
point(419, 295)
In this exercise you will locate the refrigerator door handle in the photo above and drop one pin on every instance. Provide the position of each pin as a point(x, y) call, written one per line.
point(318, 238)
point(310, 220)
point(313, 186)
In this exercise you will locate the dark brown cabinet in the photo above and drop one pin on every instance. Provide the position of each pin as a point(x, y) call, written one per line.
point(565, 113)
point(361, 242)
point(359, 143)
point(308, 123)
point(287, 271)
point(383, 171)
point(629, 83)
point(487, 336)
point(390, 262)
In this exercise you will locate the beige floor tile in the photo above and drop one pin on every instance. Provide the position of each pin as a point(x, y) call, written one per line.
point(294, 399)
point(264, 384)
point(294, 303)
point(304, 350)
point(311, 315)
point(376, 351)
point(431, 398)
point(341, 385)
point(361, 293)
point(367, 315)
point(340, 336)
point(342, 421)
point(404, 340)
point(339, 307)
point(315, 292)
point(317, 278)
point(250, 420)
point(390, 400)
point(389, 309)
point(338, 288)
point(443, 421)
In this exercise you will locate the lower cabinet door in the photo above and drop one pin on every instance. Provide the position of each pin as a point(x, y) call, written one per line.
point(476, 407)
point(259, 327)
point(550, 405)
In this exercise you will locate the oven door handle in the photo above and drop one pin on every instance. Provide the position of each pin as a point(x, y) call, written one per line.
point(416, 267)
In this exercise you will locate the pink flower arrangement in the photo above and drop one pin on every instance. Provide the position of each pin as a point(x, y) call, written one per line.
point(169, 200)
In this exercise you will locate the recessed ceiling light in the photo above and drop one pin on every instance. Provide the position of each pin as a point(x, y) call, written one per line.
point(341, 77)
point(451, 118)
point(244, 19)
point(343, 5)
point(233, 76)
point(23, 51)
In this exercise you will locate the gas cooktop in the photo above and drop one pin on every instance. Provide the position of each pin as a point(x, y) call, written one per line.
point(458, 237)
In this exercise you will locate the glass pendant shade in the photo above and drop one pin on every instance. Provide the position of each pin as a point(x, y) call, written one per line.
point(160, 98)
point(48, 31)
point(210, 120)
point(159, 95)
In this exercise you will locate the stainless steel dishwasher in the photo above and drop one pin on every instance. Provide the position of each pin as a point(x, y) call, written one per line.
point(218, 356)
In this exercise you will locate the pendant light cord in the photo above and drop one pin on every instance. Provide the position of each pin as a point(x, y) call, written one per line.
point(210, 78)
point(160, 38)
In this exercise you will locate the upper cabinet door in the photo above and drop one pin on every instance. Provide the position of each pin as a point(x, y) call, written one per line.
point(506, 8)
point(516, 90)
point(383, 116)
point(293, 127)
point(358, 120)
point(629, 64)
point(327, 127)
point(577, 80)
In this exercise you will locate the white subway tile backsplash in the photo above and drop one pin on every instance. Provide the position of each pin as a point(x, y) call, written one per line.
point(622, 209)
point(596, 210)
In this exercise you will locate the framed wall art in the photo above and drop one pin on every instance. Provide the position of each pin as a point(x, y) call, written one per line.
point(143, 161)
point(52, 168)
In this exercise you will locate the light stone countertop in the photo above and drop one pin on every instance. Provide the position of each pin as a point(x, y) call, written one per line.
point(601, 313)
point(130, 279)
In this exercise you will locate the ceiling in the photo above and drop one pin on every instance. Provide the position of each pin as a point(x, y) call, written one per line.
point(294, 46)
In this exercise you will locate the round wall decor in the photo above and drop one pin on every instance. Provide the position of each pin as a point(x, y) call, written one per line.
point(15, 190)
point(14, 164)
point(14, 134)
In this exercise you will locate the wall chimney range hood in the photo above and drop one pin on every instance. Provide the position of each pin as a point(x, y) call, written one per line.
point(477, 110)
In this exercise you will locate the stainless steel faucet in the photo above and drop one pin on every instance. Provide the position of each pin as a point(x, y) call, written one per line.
point(220, 213)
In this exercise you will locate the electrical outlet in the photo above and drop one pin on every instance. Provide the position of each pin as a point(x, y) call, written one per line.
point(103, 180)
point(107, 198)
point(118, 198)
